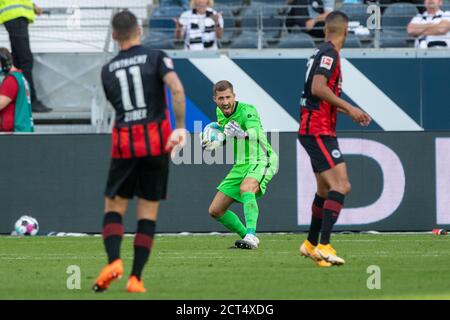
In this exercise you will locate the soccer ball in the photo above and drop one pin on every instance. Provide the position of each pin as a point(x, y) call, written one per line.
point(213, 132)
point(26, 226)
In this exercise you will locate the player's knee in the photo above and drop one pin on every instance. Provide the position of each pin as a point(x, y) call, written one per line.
point(323, 192)
point(343, 187)
point(249, 187)
point(346, 187)
point(115, 205)
point(215, 212)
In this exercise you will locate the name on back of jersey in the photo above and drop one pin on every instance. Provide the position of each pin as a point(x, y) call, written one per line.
point(135, 115)
point(124, 63)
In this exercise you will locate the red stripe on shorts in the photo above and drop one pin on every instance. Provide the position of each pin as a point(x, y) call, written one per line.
point(325, 151)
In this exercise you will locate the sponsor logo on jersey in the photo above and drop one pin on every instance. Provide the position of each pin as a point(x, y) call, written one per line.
point(168, 62)
point(326, 62)
point(336, 153)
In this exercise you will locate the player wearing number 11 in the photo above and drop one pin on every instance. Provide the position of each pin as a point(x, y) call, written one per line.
point(134, 82)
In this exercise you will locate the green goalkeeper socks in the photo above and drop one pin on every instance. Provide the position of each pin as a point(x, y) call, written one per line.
point(251, 211)
point(232, 222)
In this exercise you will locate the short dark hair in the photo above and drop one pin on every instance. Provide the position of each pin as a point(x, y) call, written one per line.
point(336, 16)
point(125, 25)
point(6, 60)
point(5, 52)
point(222, 86)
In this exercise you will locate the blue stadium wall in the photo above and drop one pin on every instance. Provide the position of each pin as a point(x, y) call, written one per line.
point(398, 166)
point(409, 85)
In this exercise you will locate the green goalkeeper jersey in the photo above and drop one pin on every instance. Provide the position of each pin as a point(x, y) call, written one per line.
point(255, 149)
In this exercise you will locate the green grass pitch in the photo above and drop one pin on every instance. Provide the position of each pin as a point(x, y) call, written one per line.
point(203, 267)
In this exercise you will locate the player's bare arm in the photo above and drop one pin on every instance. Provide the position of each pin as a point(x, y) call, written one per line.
point(178, 136)
point(4, 101)
point(321, 90)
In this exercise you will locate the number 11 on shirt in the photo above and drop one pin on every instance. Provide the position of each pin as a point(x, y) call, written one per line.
point(135, 72)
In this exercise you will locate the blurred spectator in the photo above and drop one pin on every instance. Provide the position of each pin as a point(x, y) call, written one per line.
point(16, 15)
point(431, 28)
point(174, 3)
point(15, 102)
point(310, 15)
point(200, 27)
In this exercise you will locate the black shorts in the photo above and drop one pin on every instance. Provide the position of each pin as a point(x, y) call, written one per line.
point(323, 150)
point(145, 178)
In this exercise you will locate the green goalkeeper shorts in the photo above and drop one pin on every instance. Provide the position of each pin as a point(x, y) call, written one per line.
point(263, 173)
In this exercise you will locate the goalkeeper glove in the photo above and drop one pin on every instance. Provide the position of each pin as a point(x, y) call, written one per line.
point(233, 129)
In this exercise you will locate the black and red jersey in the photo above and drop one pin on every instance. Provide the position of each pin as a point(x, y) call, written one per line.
point(318, 117)
point(133, 84)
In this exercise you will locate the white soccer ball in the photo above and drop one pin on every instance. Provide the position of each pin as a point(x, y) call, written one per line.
point(26, 226)
point(213, 132)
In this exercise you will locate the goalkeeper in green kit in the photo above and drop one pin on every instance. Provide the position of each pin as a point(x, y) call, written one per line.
point(255, 164)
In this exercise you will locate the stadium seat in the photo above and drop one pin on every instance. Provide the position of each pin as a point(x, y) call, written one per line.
point(397, 16)
point(159, 40)
point(269, 16)
point(355, 12)
point(247, 40)
point(229, 21)
point(250, 18)
point(272, 21)
point(296, 40)
point(393, 39)
point(352, 41)
point(446, 5)
point(161, 19)
point(231, 3)
point(272, 2)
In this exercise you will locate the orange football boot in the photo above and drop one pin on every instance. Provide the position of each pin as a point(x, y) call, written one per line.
point(307, 250)
point(112, 271)
point(135, 285)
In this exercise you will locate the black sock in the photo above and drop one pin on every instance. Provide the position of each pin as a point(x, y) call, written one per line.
point(112, 235)
point(331, 209)
point(143, 242)
point(316, 220)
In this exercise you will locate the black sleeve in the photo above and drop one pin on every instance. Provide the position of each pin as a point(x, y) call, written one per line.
point(165, 64)
point(326, 63)
point(104, 77)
